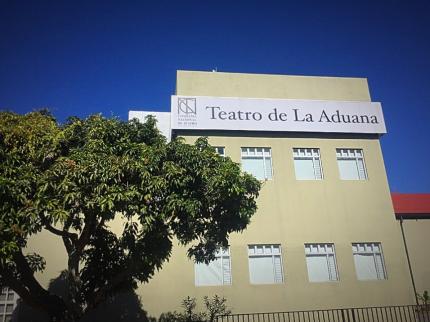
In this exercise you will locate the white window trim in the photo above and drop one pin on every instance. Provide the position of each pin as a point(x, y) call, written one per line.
point(266, 155)
point(323, 251)
point(6, 291)
point(379, 275)
point(315, 156)
point(272, 255)
point(352, 154)
point(220, 254)
point(217, 148)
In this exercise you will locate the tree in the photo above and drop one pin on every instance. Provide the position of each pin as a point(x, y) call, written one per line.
point(214, 307)
point(73, 180)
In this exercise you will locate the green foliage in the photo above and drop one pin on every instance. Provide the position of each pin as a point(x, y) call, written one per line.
point(189, 305)
point(425, 299)
point(75, 180)
point(28, 145)
point(214, 307)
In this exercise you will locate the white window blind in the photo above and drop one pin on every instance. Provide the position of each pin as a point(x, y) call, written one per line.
point(307, 164)
point(351, 164)
point(265, 264)
point(369, 261)
point(321, 262)
point(258, 162)
point(217, 272)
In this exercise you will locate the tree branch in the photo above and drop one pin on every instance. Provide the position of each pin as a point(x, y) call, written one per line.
point(26, 273)
point(84, 239)
point(12, 282)
point(56, 231)
point(100, 295)
point(30, 290)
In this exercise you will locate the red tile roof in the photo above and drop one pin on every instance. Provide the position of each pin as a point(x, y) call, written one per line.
point(411, 204)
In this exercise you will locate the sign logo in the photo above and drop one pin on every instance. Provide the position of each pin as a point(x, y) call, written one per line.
point(187, 111)
point(187, 106)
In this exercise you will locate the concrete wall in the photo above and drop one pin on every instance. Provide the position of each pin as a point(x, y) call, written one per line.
point(417, 235)
point(271, 86)
point(292, 212)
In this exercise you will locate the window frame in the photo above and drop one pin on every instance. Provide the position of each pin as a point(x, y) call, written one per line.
point(272, 255)
point(221, 254)
point(217, 148)
point(352, 154)
point(374, 254)
point(7, 302)
point(315, 157)
point(322, 251)
point(264, 157)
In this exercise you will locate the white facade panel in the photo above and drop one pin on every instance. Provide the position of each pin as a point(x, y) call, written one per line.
point(163, 120)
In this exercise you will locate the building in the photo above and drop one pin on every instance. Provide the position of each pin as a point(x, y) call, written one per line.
point(413, 214)
point(325, 234)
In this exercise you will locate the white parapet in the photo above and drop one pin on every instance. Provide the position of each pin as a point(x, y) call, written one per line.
point(163, 120)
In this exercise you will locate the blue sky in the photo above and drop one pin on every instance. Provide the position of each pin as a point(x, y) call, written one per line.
point(84, 57)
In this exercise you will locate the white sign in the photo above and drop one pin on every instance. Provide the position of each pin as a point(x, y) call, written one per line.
point(249, 114)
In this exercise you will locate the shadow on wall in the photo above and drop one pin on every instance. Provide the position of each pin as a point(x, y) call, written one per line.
point(125, 306)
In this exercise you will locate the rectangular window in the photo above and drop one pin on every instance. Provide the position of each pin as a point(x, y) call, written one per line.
point(217, 272)
point(307, 163)
point(369, 261)
point(258, 162)
point(220, 150)
point(351, 164)
point(321, 262)
point(265, 264)
point(8, 300)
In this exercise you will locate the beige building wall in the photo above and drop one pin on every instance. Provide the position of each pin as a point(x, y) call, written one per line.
point(292, 213)
point(417, 235)
point(52, 249)
point(271, 86)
